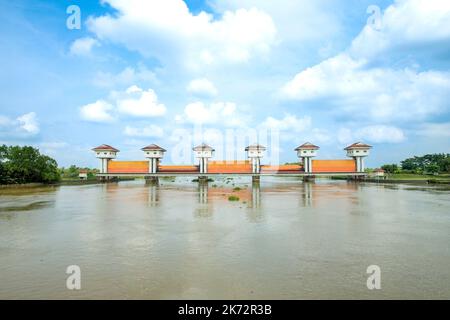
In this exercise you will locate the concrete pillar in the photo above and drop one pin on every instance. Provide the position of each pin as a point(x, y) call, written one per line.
point(358, 164)
point(203, 192)
point(362, 164)
point(203, 180)
point(105, 165)
point(152, 180)
point(256, 194)
point(307, 164)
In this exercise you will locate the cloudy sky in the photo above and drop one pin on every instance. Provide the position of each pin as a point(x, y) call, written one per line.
point(331, 72)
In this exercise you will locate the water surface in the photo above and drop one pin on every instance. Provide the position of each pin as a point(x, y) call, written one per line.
point(282, 240)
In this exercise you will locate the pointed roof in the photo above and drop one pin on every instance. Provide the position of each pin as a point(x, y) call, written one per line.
point(153, 147)
point(257, 147)
point(307, 146)
point(358, 145)
point(105, 147)
point(203, 147)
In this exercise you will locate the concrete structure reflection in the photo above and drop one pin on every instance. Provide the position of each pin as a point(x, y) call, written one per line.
point(153, 195)
point(307, 195)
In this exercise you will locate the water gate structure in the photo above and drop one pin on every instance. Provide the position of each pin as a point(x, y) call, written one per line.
point(308, 167)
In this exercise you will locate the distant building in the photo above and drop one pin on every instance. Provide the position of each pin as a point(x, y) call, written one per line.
point(83, 175)
point(306, 152)
point(105, 153)
point(255, 152)
point(155, 154)
point(358, 151)
point(378, 173)
point(203, 153)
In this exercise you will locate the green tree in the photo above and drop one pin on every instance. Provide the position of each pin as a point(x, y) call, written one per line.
point(26, 164)
point(391, 168)
point(432, 168)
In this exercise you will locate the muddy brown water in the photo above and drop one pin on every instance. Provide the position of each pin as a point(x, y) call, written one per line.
point(283, 239)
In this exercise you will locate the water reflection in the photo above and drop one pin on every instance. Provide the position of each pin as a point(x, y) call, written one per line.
point(180, 240)
point(203, 210)
point(256, 195)
point(307, 194)
point(153, 195)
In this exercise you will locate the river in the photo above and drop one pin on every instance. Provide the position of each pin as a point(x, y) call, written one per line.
point(283, 239)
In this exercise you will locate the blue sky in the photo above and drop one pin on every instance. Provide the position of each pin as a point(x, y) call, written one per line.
point(141, 72)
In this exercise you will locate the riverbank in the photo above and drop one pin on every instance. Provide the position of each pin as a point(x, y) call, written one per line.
point(406, 178)
point(59, 183)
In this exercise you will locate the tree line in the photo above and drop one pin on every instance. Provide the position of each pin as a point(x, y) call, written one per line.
point(427, 164)
point(20, 165)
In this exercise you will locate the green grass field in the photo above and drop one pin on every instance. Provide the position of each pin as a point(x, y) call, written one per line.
point(412, 176)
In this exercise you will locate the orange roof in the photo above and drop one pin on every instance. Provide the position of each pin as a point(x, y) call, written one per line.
point(256, 147)
point(153, 147)
point(105, 147)
point(203, 147)
point(358, 145)
point(307, 145)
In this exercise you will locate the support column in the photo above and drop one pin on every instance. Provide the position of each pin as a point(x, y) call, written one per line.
point(106, 165)
point(205, 165)
point(310, 165)
point(358, 164)
point(362, 164)
point(256, 195)
point(306, 165)
point(152, 180)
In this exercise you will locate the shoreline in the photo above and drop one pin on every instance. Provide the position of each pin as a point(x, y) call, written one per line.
point(93, 182)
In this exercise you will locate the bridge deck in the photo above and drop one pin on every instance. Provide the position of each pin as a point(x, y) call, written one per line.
point(197, 174)
point(232, 168)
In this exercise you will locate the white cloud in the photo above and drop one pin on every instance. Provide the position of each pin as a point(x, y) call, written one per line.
point(202, 87)
point(99, 111)
point(289, 123)
point(376, 94)
point(351, 84)
point(406, 24)
point(374, 134)
point(52, 148)
point(126, 77)
point(24, 126)
point(134, 102)
point(28, 123)
point(434, 130)
point(148, 131)
point(140, 103)
point(296, 21)
point(167, 30)
point(83, 46)
point(218, 112)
